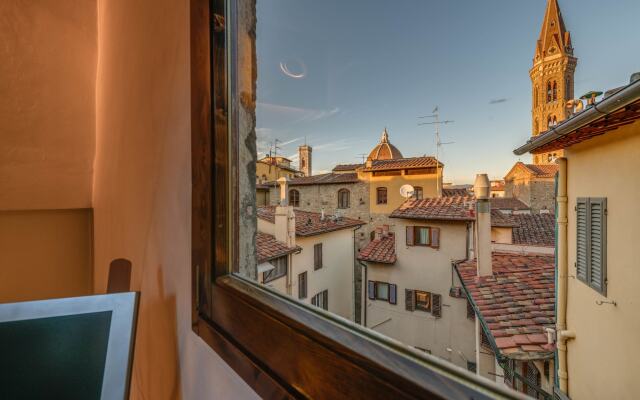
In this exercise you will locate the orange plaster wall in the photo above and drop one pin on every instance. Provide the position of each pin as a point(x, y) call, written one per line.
point(48, 51)
point(142, 194)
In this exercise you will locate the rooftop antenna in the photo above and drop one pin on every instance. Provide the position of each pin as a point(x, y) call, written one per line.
point(363, 156)
point(435, 114)
point(274, 159)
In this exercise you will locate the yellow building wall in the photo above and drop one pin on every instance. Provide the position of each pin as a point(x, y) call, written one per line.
point(604, 358)
point(45, 254)
point(271, 172)
point(393, 183)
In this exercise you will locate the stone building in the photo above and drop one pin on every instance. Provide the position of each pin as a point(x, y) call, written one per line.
point(532, 184)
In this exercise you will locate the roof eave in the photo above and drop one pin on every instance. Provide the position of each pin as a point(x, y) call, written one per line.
point(624, 97)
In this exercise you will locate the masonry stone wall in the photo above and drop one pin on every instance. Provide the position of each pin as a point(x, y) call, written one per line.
point(542, 196)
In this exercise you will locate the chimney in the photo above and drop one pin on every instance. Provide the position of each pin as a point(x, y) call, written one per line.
point(378, 234)
point(481, 189)
point(284, 191)
point(285, 218)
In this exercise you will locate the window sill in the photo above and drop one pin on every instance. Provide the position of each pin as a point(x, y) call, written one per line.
point(283, 348)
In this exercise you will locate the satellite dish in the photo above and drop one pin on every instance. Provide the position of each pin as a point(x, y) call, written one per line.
point(406, 191)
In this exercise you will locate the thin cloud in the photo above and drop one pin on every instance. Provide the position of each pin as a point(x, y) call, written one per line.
point(498, 101)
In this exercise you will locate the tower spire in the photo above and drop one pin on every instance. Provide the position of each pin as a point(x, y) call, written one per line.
point(554, 37)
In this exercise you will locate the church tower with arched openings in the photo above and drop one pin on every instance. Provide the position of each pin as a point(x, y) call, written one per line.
point(551, 76)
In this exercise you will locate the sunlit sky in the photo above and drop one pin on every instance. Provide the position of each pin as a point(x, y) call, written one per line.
point(337, 72)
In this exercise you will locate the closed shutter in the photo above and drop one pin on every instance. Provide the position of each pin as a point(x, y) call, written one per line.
point(436, 305)
point(314, 300)
point(372, 290)
point(597, 243)
point(409, 300)
point(410, 236)
point(317, 256)
point(581, 239)
point(325, 303)
point(393, 295)
point(302, 285)
point(435, 237)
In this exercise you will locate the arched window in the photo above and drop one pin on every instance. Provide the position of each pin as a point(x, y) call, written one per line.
point(343, 198)
point(567, 86)
point(294, 198)
point(381, 195)
point(549, 92)
point(555, 91)
point(417, 192)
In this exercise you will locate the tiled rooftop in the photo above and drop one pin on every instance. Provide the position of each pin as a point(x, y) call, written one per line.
point(381, 250)
point(455, 192)
point(455, 208)
point(402, 163)
point(269, 248)
point(542, 170)
point(347, 167)
point(507, 203)
point(516, 302)
point(534, 229)
point(311, 223)
point(324, 179)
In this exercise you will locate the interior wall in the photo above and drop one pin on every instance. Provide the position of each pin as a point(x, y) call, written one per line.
point(142, 193)
point(45, 254)
point(47, 93)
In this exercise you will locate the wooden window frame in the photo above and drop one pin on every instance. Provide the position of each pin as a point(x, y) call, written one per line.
point(386, 195)
point(434, 236)
point(341, 204)
point(418, 307)
point(241, 319)
point(294, 201)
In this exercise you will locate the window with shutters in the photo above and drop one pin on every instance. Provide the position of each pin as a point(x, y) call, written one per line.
point(302, 285)
point(343, 198)
point(417, 192)
point(294, 198)
point(591, 242)
point(382, 291)
point(317, 256)
point(381, 195)
point(423, 236)
point(423, 301)
point(321, 300)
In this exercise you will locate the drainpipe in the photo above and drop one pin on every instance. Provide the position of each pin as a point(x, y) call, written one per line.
point(561, 323)
point(365, 286)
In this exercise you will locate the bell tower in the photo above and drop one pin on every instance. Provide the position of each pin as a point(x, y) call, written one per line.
point(304, 157)
point(551, 77)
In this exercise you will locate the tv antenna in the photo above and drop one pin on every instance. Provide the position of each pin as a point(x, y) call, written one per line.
point(363, 156)
point(435, 114)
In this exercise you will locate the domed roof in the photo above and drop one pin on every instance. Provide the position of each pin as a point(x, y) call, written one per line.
point(384, 150)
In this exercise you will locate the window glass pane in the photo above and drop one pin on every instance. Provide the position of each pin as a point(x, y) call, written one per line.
point(337, 130)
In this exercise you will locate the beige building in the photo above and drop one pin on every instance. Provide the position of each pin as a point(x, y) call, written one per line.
point(598, 320)
point(411, 293)
point(270, 169)
point(308, 256)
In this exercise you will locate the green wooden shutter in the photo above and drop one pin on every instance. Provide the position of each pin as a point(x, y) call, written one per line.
point(435, 237)
point(597, 243)
point(371, 290)
point(582, 232)
point(409, 300)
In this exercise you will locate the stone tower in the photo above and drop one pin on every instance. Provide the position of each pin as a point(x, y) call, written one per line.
point(304, 157)
point(551, 76)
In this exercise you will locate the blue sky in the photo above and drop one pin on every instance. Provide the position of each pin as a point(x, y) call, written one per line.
point(337, 72)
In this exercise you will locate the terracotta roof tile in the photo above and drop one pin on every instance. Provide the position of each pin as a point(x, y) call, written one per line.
point(269, 248)
point(310, 223)
point(325, 179)
point(534, 229)
point(455, 192)
point(347, 167)
point(455, 208)
point(402, 163)
point(507, 203)
point(520, 296)
point(381, 250)
point(542, 170)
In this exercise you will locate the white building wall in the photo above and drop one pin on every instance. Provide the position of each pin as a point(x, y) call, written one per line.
point(450, 337)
